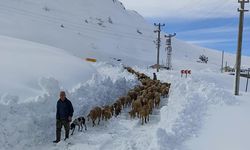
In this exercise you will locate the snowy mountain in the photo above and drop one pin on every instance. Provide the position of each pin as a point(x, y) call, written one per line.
point(99, 29)
point(43, 46)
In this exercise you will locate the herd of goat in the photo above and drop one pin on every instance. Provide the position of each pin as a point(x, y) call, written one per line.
point(142, 100)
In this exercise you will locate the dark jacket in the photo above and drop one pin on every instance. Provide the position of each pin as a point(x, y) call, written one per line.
point(64, 109)
point(154, 77)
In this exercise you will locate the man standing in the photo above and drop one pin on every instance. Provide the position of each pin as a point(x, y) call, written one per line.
point(154, 76)
point(64, 115)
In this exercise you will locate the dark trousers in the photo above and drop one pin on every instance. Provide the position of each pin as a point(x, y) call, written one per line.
point(59, 123)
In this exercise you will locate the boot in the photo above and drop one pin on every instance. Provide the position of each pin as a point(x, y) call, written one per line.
point(56, 141)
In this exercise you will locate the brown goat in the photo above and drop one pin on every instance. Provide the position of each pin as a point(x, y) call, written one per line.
point(150, 95)
point(132, 94)
point(94, 114)
point(122, 101)
point(136, 105)
point(118, 104)
point(157, 100)
point(118, 110)
point(132, 114)
point(151, 105)
point(144, 114)
point(164, 90)
point(128, 101)
point(106, 113)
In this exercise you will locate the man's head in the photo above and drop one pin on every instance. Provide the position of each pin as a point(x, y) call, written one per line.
point(62, 95)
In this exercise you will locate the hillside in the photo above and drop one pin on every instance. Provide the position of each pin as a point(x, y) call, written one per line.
point(43, 46)
point(99, 28)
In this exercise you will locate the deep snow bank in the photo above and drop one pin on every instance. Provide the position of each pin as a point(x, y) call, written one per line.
point(184, 116)
point(226, 127)
point(31, 125)
point(24, 63)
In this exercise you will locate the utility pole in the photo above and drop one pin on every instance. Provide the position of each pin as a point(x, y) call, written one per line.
point(169, 50)
point(226, 68)
point(222, 63)
point(247, 78)
point(239, 48)
point(158, 43)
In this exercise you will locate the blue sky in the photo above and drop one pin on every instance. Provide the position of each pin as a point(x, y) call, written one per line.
point(212, 24)
point(215, 33)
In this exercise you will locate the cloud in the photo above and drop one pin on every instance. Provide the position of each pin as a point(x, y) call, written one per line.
point(210, 41)
point(223, 29)
point(185, 9)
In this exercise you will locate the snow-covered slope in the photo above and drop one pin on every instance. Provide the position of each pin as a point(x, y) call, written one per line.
point(100, 29)
point(185, 56)
point(24, 64)
point(41, 46)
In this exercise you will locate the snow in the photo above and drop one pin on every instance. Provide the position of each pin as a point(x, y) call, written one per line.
point(38, 58)
point(227, 127)
point(28, 20)
point(25, 63)
point(36, 118)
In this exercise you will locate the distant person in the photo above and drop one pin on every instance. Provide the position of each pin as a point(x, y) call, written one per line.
point(64, 115)
point(154, 76)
